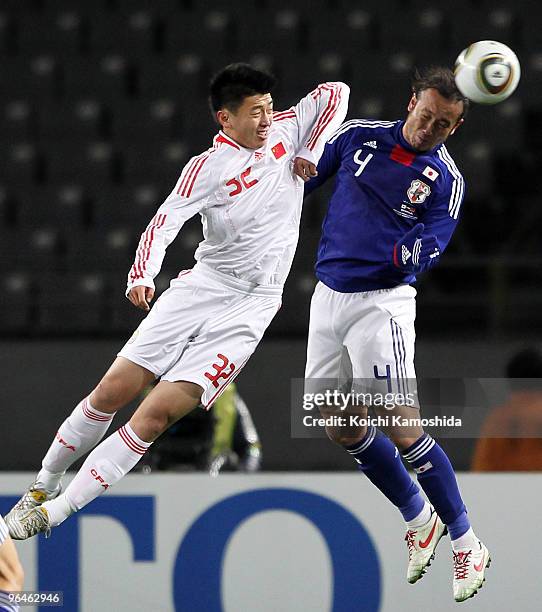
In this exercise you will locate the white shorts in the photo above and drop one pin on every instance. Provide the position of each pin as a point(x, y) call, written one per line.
point(4, 533)
point(362, 339)
point(203, 329)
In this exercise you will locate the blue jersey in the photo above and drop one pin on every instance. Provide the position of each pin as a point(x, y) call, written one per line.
point(383, 189)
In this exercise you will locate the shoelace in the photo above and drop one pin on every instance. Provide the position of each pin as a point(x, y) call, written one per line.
point(410, 539)
point(461, 564)
point(36, 522)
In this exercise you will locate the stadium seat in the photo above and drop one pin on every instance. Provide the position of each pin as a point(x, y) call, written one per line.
point(350, 32)
point(208, 32)
point(183, 77)
point(104, 251)
point(161, 163)
point(18, 121)
point(21, 164)
point(109, 78)
point(131, 206)
point(59, 205)
point(9, 207)
point(87, 163)
point(416, 32)
point(498, 23)
point(33, 249)
point(478, 169)
point(133, 35)
point(279, 31)
point(30, 77)
point(71, 304)
point(17, 301)
point(138, 122)
point(79, 120)
point(7, 33)
point(61, 33)
point(530, 86)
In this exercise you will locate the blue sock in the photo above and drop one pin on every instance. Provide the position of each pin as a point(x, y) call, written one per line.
point(380, 461)
point(437, 478)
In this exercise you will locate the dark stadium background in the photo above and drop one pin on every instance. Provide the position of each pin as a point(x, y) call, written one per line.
point(102, 103)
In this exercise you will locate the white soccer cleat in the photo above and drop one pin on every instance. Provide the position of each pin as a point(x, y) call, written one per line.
point(421, 543)
point(469, 569)
point(24, 524)
point(32, 498)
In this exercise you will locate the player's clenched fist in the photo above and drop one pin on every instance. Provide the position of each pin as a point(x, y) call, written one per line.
point(141, 297)
point(304, 168)
point(416, 251)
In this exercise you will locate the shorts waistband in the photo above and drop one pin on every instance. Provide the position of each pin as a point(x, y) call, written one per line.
point(238, 284)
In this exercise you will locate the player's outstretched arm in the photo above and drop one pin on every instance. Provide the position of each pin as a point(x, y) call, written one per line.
point(318, 115)
point(189, 196)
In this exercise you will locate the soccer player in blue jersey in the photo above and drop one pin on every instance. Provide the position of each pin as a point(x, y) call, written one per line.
point(396, 203)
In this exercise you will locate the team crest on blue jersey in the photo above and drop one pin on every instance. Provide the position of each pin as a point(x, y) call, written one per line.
point(418, 191)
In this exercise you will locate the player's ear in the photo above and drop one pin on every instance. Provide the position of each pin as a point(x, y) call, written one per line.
point(456, 126)
point(412, 103)
point(223, 118)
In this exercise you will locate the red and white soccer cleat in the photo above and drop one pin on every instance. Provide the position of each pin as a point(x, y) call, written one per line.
point(469, 569)
point(421, 543)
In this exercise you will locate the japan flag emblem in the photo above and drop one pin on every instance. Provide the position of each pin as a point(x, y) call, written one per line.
point(430, 173)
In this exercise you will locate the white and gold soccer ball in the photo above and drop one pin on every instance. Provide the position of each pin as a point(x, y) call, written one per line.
point(487, 72)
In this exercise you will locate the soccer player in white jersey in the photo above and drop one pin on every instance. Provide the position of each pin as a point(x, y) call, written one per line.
point(11, 571)
point(395, 206)
point(203, 329)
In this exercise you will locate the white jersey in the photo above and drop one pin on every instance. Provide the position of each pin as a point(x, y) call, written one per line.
point(249, 200)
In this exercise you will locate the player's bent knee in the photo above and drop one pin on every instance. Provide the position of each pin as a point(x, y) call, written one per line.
point(163, 407)
point(345, 436)
point(403, 440)
point(110, 394)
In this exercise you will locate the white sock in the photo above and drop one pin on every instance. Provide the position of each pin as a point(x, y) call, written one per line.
point(80, 432)
point(467, 540)
point(104, 467)
point(421, 519)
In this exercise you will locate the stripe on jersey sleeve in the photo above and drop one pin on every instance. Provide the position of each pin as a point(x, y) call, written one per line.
point(458, 185)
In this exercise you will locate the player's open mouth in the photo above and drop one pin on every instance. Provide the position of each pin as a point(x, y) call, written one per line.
point(263, 133)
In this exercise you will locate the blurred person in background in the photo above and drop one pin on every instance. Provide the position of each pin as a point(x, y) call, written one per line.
point(511, 437)
point(221, 439)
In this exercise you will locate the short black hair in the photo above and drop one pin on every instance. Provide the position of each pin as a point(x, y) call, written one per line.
point(442, 79)
point(234, 83)
point(525, 364)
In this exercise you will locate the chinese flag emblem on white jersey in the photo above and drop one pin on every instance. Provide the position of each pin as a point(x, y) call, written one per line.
point(278, 150)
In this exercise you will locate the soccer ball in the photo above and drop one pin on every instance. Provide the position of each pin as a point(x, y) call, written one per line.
point(487, 72)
